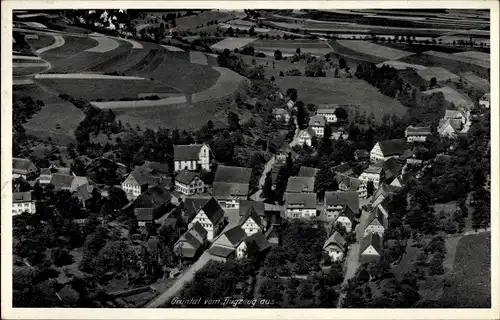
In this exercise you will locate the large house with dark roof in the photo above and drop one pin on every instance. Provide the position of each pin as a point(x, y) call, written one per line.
point(22, 202)
point(305, 136)
point(327, 111)
point(157, 168)
point(375, 222)
point(256, 241)
point(191, 205)
point(308, 172)
point(300, 185)
point(191, 156)
point(341, 204)
point(385, 149)
point(300, 205)
point(318, 123)
point(23, 168)
point(417, 134)
point(144, 216)
point(382, 193)
point(139, 181)
point(189, 183)
point(231, 184)
point(211, 217)
point(370, 249)
point(347, 183)
point(226, 245)
point(335, 246)
point(374, 173)
point(191, 242)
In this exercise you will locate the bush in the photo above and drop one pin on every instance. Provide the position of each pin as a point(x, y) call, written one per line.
point(294, 72)
point(260, 55)
point(61, 257)
point(282, 74)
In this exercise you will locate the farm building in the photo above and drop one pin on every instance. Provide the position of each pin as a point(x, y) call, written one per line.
point(417, 134)
point(328, 112)
point(308, 172)
point(189, 244)
point(370, 248)
point(317, 123)
point(335, 246)
point(231, 184)
point(22, 202)
point(300, 205)
point(484, 101)
point(191, 156)
point(305, 136)
point(23, 168)
point(300, 185)
point(211, 217)
point(386, 149)
point(189, 183)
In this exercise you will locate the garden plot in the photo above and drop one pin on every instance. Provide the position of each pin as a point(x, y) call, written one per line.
point(476, 81)
point(451, 95)
point(374, 49)
point(198, 58)
point(401, 65)
point(439, 73)
point(105, 44)
point(232, 43)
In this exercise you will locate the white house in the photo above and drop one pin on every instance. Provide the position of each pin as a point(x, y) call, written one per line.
point(211, 217)
point(191, 156)
point(281, 114)
point(341, 207)
point(338, 133)
point(373, 173)
point(300, 205)
point(139, 181)
point(335, 246)
point(317, 123)
point(455, 115)
point(370, 249)
point(22, 202)
point(348, 183)
point(386, 149)
point(375, 222)
point(449, 127)
point(231, 185)
point(305, 136)
point(485, 100)
point(230, 241)
point(251, 222)
point(417, 134)
point(23, 168)
point(189, 183)
point(328, 112)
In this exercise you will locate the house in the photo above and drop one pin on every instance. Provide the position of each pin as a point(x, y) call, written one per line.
point(272, 235)
point(283, 153)
point(84, 193)
point(347, 183)
point(230, 240)
point(397, 182)
point(22, 202)
point(158, 168)
point(455, 115)
point(191, 205)
point(335, 246)
point(189, 183)
point(211, 217)
point(370, 249)
point(346, 217)
point(343, 168)
point(300, 205)
point(305, 136)
point(336, 204)
point(290, 104)
point(391, 169)
point(191, 156)
point(317, 124)
point(417, 134)
point(252, 217)
point(23, 168)
point(375, 222)
point(308, 172)
point(327, 111)
point(139, 181)
point(231, 184)
point(281, 114)
point(191, 242)
point(144, 216)
point(382, 193)
point(385, 149)
point(300, 184)
point(373, 173)
point(45, 176)
point(339, 133)
point(256, 241)
point(449, 127)
point(361, 154)
point(67, 296)
point(485, 100)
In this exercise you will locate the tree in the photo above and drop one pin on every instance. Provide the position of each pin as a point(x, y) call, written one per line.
point(370, 188)
point(233, 121)
point(267, 187)
point(302, 115)
point(278, 55)
point(297, 51)
point(223, 150)
point(341, 114)
point(292, 94)
point(314, 69)
point(325, 181)
point(20, 185)
point(433, 82)
point(342, 63)
point(117, 199)
point(61, 257)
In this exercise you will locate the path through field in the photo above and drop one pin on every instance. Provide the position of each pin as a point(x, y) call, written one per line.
point(351, 265)
point(84, 76)
point(59, 42)
point(104, 44)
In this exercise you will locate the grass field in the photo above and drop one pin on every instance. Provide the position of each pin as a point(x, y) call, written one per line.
point(476, 55)
point(232, 43)
point(42, 41)
point(93, 89)
point(198, 58)
point(471, 275)
point(401, 65)
point(226, 85)
point(353, 54)
point(56, 120)
point(452, 95)
point(194, 21)
point(476, 81)
point(290, 46)
point(412, 77)
point(374, 49)
point(439, 73)
point(340, 91)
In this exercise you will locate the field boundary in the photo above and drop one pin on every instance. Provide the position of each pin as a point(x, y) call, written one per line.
point(104, 44)
point(85, 76)
point(59, 42)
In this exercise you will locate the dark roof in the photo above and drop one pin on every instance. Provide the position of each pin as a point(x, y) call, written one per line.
point(154, 197)
point(349, 213)
point(384, 189)
point(21, 196)
point(418, 131)
point(375, 216)
point(246, 205)
point(361, 153)
point(185, 176)
point(308, 200)
point(233, 174)
point(195, 236)
point(351, 183)
point(213, 210)
point(21, 165)
point(193, 204)
point(309, 130)
point(392, 165)
point(187, 152)
point(224, 189)
point(144, 177)
point(258, 240)
point(219, 251)
point(342, 168)
point(68, 295)
point(336, 238)
point(326, 108)
point(61, 181)
point(392, 147)
point(253, 214)
point(144, 214)
point(371, 239)
point(235, 235)
point(307, 172)
point(83, 192)
point(156, 166)
point(300, 184)
point(272, 232)
point(349, 198)
point(317, 121)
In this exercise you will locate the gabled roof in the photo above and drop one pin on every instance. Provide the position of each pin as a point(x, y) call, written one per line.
point(326, 108)
point(307, 172)
point(21, 165)
point(156, 166)
point(362, 153)
point(280, 111)
point(193, 204)
point(62, 181)
point(247, 205)
point(195, 237)
point(351, 183)
point(144, 177)
point(336, 238)
point(308, 200)
point(392, 165)
point(392, 147)
point(220, 251)
point(374, 169)
point(226, 189)
point(384, 189)
point(372, 239)
point(21, 197)
point(376, 217)
point(68, 296)
point(486, 97)
point(252, 213)
point(83, 192)
point(258, 241)
point(418, 131)
point(235, 235)
point(233, 174)
point(308, 130)
point(342, 168)
point(186, 177)
point(213, 210)
point(453, 114)
point(300, 184)
point(154, 197)
point(144, 214)
point(456, 124)
point(187, 152)
point(349, 198)
point(317, 121)
point(349, 213)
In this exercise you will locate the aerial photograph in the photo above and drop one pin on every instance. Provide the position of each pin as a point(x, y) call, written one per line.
point(210, 158)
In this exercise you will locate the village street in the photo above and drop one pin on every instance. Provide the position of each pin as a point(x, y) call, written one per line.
point(351, 265)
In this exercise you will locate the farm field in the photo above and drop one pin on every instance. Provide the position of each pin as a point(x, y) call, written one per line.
point(439, 73)
point(198, 58)
point(418, 47)
point(27, 70)
point(71, 46)
point(401, 65)
point(279, 65)
point(105, 89)
point(374, 49)
point(290, 46)
point(462, 58)
point(42, 41)
point(340, 91)
point(352, 54)
point(476, 81)
point(452, 95)
point(55, 112)
point(474, 55)
point(413, 78)
point(227, 83)
point(194, 21)
point(124, 62)
point(232, 43)
point(471, 275)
